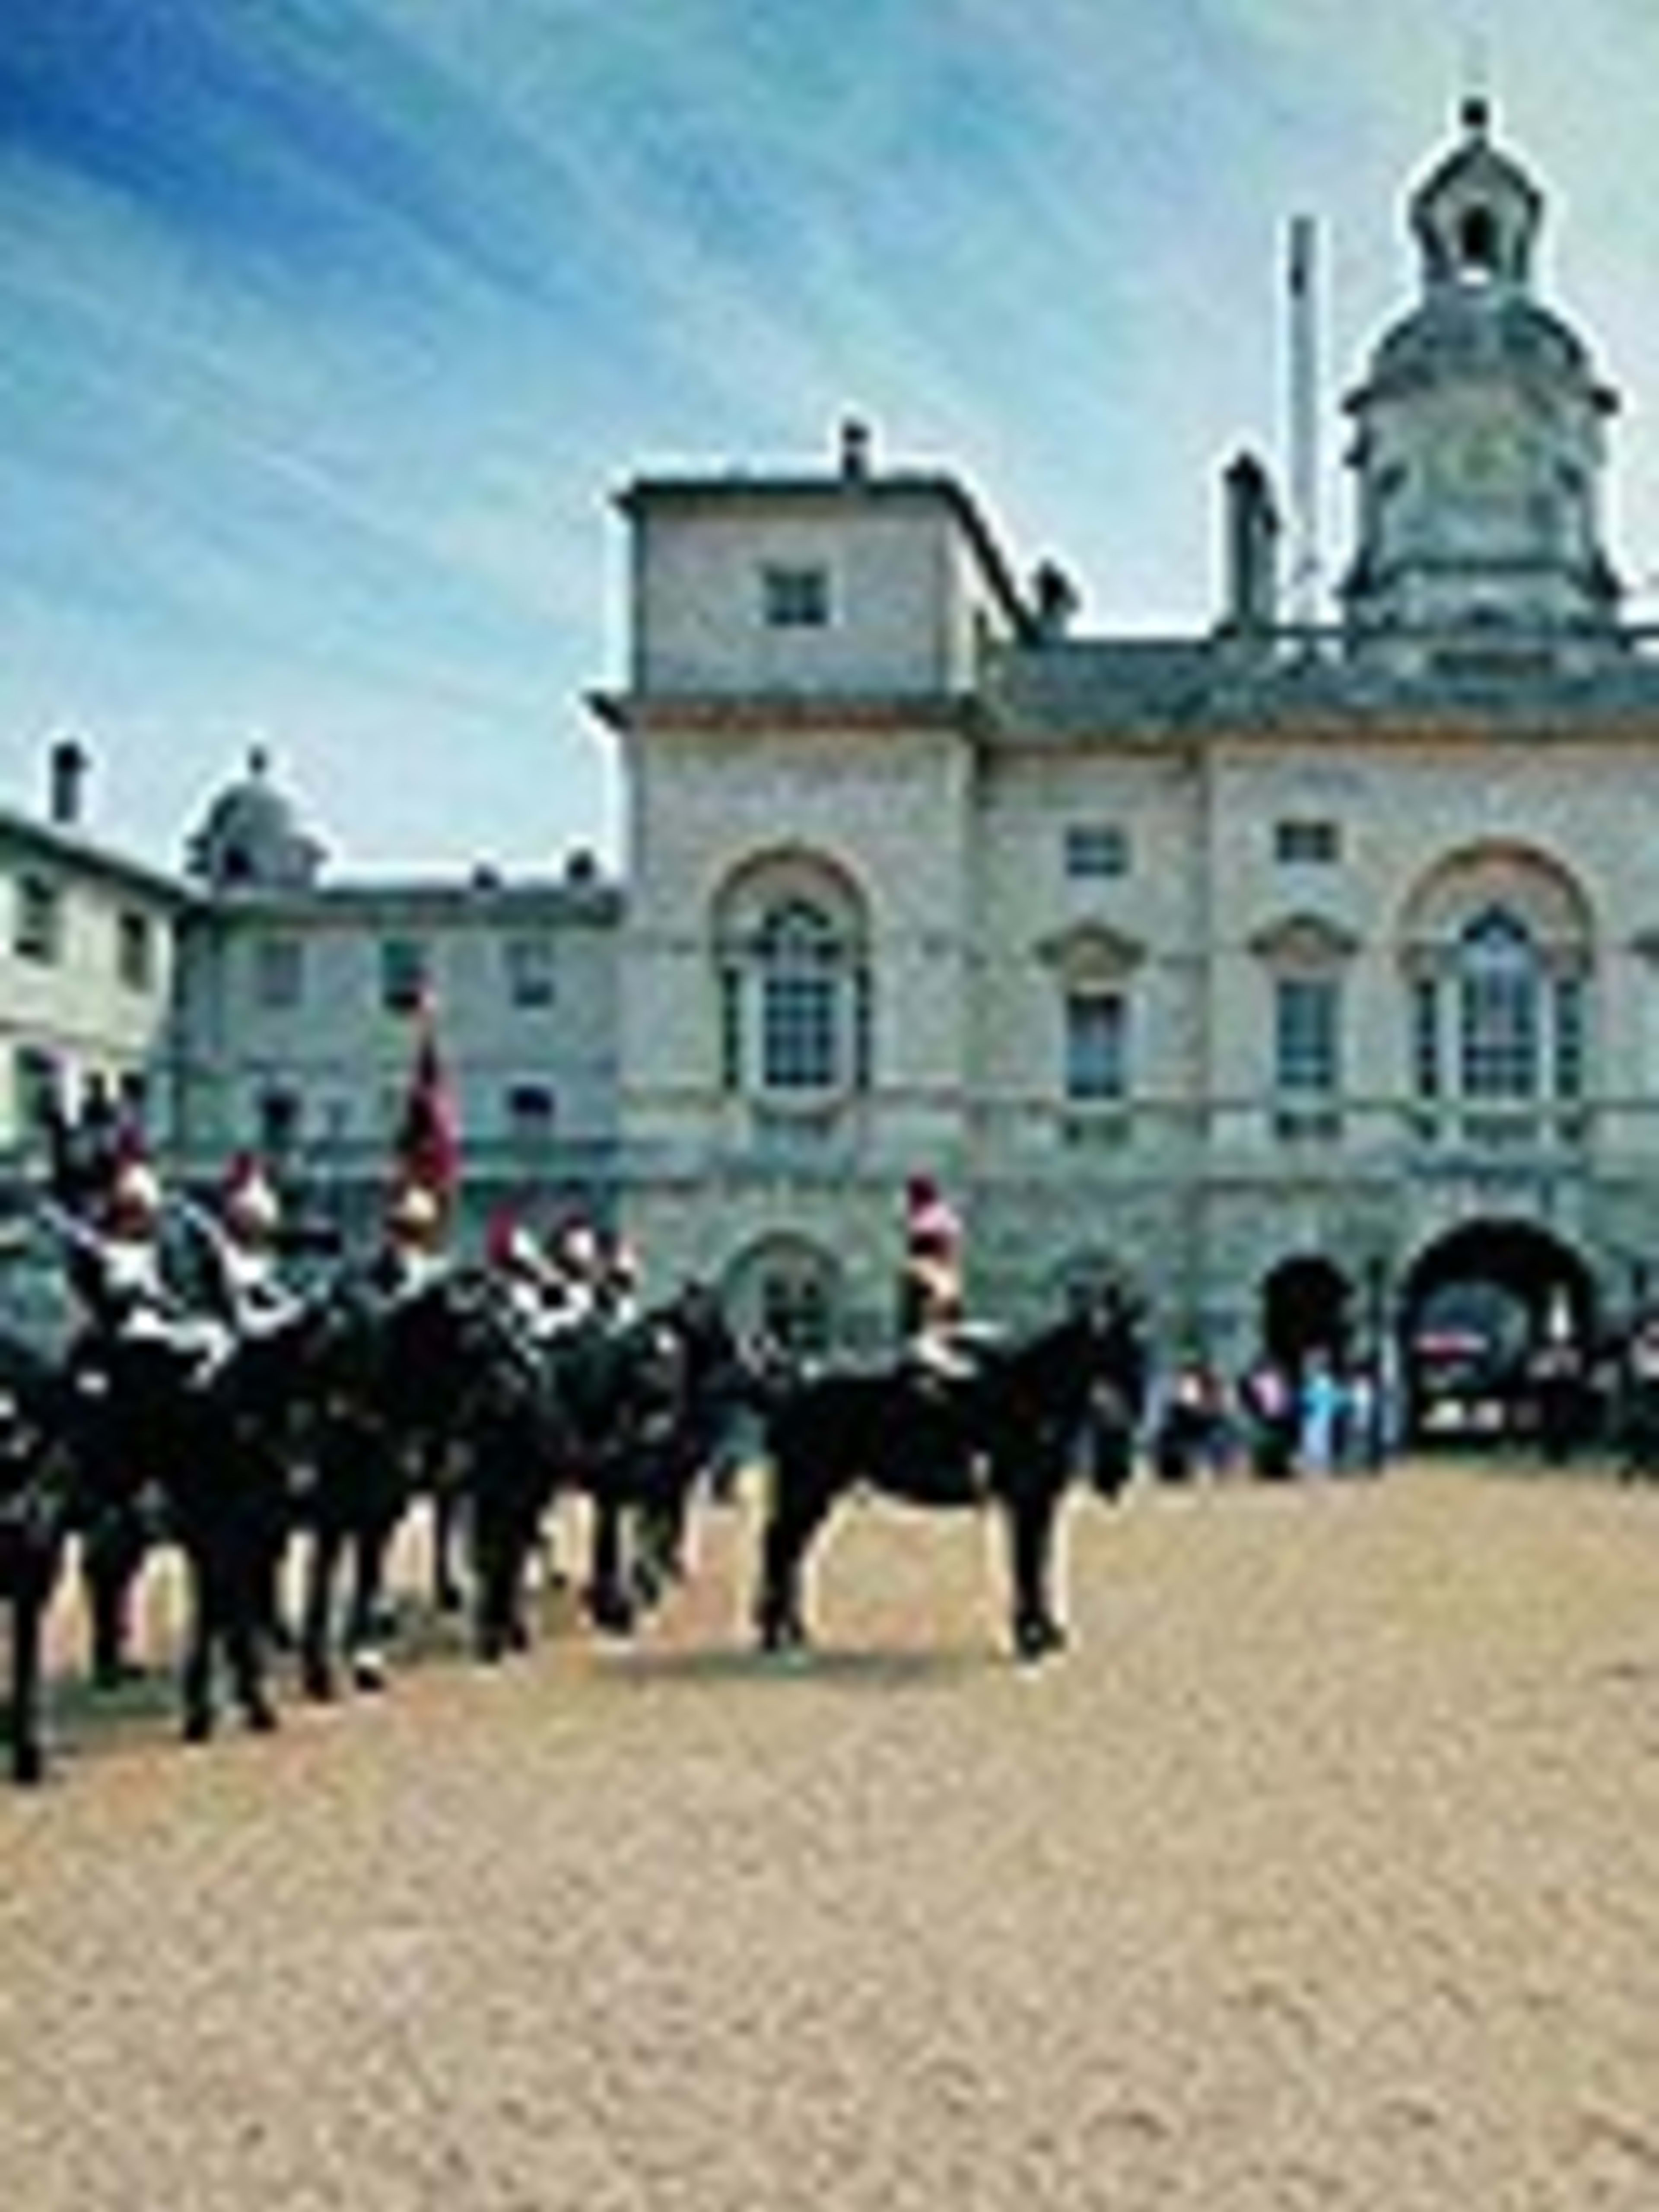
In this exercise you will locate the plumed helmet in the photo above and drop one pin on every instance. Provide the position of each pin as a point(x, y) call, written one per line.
point(931, 1225)
point(250, 1199)
point(134, 1190)
point(511, 1247)
point(413, 1210)
point(576, 1247)
point(623, 1262)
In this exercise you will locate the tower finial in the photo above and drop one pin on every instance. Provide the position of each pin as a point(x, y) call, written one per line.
point(1474, 108)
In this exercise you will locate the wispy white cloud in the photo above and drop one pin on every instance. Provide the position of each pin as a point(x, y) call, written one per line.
point(327, 327)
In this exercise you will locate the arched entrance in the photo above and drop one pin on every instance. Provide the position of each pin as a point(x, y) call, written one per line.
point(1306, 1307)
point(787, 1291)
point(1480, 1309)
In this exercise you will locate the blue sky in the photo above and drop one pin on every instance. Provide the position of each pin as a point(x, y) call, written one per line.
point(328, 329)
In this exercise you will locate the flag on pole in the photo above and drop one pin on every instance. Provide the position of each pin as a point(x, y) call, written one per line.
point(428, 1144)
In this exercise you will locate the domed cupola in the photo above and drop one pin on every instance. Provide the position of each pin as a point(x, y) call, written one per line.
point(252, 838)
point(1480, 444)
point(1476, 215)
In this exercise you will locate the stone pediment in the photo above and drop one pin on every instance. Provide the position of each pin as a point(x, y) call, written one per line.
point(1304, 940)
point(1091, 949)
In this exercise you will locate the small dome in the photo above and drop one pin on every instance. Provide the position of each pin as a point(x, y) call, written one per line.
point(252, 837)
point(1456, 334)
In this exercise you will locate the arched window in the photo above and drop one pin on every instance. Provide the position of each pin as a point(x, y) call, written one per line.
point(1498, 960)
point(800, 958)
point(787, 1289)
point(1500, 990)
point(794, 984)
point(1477, 240)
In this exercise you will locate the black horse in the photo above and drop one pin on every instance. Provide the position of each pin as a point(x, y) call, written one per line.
point(36, 1513)
point(453, 1371)
point(613, 1412)
point(608, 1411)
point(390, 1386)
point(1012, 1432)
point(196, 1449)
point(634, 1442)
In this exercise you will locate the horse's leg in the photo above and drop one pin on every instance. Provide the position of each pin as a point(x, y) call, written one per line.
point(1031, 1512)
point(656, 1524)
point(27, 1610)
point(202, 1601)
point(448, 1513)
point(491, 1603)
point(500, 1549)
point(366, 1609)
point(245, 1655)
point(610, 1606)
point(244, 1579)
point(271, 1542)
point(326, 1543)
point(111, 1553)
point(796, 1513)
point(1111, 1456)
point(489, 1547)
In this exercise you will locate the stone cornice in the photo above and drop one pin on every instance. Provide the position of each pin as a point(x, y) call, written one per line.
point(749, 712)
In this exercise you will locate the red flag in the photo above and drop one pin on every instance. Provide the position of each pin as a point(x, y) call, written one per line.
point(428, 1149)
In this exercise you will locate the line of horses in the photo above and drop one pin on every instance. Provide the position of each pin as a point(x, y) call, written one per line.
point(325, 1430)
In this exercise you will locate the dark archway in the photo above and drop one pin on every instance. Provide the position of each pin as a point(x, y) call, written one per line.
point(1480, 1311)
point(1306, 1303)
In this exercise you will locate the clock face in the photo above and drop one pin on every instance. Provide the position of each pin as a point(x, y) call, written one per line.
point(1491, 461)
point(1480, 463)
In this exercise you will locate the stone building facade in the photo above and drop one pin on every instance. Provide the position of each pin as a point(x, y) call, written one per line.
point(1306, 978)
point(256, 1001)
point(87, 942)
point(297, 1010)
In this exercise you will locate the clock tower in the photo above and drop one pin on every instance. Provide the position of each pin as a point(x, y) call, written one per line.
point(1478, 446)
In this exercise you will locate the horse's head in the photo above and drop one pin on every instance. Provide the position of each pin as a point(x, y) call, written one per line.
point(1086, 1364)
point(656, 1363)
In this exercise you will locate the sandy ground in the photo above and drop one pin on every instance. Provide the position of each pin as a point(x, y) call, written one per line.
point(1322, 1872)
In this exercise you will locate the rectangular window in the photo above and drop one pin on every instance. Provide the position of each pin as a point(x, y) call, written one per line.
point(38, 1079)
point(1307, 1037)
point(279, 1121)
point(1095, 852)
point(1307, 843)
point(864, 1024)
point(135, 950)
point(532, 1115)
point(405, 974)
point(279, 973)
point(531, 981)
point(800, 1030)
point(38, 931)
point(1425, 1037)
point(1096, 1046)
point(795, 596)
point(1570, 1040)
point(1500, 1034)
point(731, 1020)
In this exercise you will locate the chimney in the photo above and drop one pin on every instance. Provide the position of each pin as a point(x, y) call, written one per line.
point(66, 789)
point(1250, 551)
point(854, 450)
point(1055, 598)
